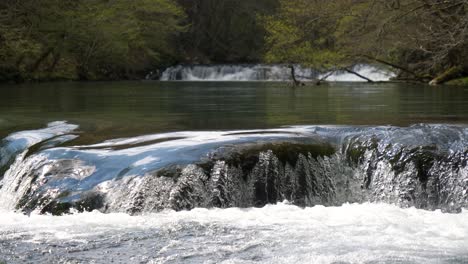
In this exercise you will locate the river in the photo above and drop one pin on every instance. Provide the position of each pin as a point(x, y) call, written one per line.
point(233, 172)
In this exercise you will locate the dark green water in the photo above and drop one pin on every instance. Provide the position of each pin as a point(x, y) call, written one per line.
point(117, 109)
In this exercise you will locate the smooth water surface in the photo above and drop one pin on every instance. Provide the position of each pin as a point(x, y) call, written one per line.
point(120, 109)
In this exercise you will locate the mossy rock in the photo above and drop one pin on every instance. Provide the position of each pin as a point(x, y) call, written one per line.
point(459, 82)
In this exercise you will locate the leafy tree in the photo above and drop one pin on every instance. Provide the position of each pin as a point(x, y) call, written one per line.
point(79, 39)
point(422, 39)
point(224, 31)
point(304, 32)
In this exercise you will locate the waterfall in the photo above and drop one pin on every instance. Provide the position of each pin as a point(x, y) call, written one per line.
point(261, 72)
point(424, 166)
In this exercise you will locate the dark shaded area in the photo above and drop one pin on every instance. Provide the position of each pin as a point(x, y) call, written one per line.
point(224, 31)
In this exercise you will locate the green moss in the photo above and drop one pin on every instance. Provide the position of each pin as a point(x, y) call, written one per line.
point(460, 82)
point(448, 75)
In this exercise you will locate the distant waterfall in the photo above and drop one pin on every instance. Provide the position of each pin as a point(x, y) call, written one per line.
point(261, 72)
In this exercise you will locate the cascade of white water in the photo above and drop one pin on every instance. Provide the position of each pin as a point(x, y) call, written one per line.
point(423, 166)
point(262, 72)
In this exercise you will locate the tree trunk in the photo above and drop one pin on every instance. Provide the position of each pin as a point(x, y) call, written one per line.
point(448, 75)
point(398, 67)
point(319, 81)
point(358, 75)
point(293, 75)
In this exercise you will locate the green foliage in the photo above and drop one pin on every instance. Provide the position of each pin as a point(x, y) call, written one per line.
point(302, 32)
point(118, 39)
point(224, 31)
point(459, 82)
point(419, 38)
point(79, 39)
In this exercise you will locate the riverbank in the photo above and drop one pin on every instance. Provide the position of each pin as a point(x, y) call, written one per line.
point(246, 72)
point(237, 72)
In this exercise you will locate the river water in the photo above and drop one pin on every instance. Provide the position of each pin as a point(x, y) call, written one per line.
point(104, 110)
point(233, 172)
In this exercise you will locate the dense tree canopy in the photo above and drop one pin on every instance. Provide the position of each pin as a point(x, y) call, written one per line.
point(422, 40)
point(303, 32)
point(79, 39)
point(225, 31)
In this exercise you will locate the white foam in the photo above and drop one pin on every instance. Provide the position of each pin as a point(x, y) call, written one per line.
point(146, 160)
point(373, 73)
point(35, 136)
point(274, 234)
point(261, 72)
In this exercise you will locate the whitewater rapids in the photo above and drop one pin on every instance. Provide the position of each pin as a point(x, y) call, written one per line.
point(281, 233)
point(261, 72)
point(126, 200)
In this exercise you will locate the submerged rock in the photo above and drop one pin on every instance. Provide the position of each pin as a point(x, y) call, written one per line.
point(422, 166)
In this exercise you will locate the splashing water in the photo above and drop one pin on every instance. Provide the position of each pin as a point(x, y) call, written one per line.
point(266, 73)
point(282, 233)
point(423, 166)
point(233, 182)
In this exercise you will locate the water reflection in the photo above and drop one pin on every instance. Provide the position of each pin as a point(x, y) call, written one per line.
point(115, 109)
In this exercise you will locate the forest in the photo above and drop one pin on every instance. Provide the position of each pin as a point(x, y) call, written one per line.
point(421, 40)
